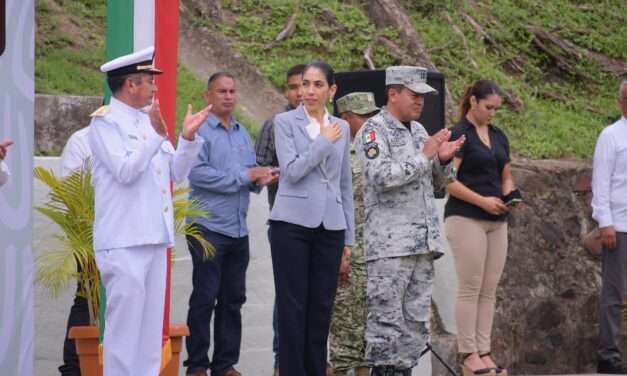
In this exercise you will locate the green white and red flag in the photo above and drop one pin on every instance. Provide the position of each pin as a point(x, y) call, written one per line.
point(368, 137)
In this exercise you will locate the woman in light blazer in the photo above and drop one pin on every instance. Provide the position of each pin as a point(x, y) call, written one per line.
point(312, 222)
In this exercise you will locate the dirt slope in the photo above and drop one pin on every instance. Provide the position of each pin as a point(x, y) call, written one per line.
point(206, 52)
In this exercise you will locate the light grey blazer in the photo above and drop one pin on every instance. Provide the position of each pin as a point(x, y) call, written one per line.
point(315, 185)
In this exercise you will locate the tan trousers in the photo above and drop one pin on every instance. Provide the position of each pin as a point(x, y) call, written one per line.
point(479, 249)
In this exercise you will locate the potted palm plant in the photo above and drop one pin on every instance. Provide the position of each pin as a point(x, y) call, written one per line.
point(70, 205)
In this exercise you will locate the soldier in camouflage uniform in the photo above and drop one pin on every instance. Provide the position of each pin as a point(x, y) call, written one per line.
point(347, 341)
point(401, 166)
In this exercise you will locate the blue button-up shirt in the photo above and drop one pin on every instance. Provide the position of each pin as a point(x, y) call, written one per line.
point(220, 176)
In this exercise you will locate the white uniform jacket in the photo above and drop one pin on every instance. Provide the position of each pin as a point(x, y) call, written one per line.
point(132, 166)
point(75, 152)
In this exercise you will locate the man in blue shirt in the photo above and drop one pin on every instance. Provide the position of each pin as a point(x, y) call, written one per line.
point(222, 177)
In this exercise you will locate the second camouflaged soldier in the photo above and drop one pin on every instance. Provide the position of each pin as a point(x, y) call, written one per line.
point(402, 167)
point(347, 341)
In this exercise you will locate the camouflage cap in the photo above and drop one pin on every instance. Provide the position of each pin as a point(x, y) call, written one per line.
point(414, 78)
point(361, 103)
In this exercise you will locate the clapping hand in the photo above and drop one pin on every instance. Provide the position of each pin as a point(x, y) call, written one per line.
point(191, 123)
point(3, 148)
point(447, 149)
point(432, 146)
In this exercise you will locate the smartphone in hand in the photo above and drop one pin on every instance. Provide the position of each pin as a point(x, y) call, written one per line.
point(512, 198)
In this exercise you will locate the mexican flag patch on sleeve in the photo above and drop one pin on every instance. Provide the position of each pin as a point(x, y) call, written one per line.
point(368, 137)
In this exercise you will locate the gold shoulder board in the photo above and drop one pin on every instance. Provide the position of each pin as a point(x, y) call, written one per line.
point(102, 111)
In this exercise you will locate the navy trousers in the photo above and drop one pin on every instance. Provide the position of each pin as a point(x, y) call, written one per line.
point(275, 321)
point(219, 285)
point(306, 263)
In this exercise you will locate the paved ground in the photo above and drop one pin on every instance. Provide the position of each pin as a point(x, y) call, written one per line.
point(256, 356)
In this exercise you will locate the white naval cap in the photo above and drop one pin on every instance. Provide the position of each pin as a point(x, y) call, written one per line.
point(140, 61)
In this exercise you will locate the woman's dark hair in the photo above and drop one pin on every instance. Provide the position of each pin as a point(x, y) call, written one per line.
point(324, 68)
point(481, 90)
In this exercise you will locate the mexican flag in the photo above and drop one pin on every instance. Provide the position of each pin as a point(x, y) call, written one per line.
point(133, 25)
point(368, 137)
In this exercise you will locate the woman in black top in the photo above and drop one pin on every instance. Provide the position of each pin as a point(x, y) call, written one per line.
point(476, 222)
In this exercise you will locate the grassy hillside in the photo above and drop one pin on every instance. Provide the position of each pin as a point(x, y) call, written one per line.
point(562, 101)
point(545, 127)
point(70, 48)
point(563, 109)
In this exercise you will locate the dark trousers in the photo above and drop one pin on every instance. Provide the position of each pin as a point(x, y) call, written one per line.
point(306, 264)
point(219, 285)
point(79, 316)
point(613, 292)
point(275, 322)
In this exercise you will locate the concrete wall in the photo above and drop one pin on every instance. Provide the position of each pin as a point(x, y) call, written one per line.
point(57, 117)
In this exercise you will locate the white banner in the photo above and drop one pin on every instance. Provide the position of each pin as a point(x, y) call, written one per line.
point(17, 96)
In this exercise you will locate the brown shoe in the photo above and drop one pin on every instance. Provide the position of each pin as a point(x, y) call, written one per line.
point(197, 373)
point(231, 372)
point(276, 372)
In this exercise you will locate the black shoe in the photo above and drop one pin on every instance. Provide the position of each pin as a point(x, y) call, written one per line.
point(389, 371)
point(382, 371)
point(612, 366)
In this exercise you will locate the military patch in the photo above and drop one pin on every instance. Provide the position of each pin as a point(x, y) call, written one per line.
point(368, 137)
point(398, 137)
point(102, 111)
point(372, 150)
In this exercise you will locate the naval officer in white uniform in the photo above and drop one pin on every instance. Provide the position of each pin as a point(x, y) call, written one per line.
point(133, 162)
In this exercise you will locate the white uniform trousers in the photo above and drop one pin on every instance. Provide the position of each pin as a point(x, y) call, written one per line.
point(135, 279)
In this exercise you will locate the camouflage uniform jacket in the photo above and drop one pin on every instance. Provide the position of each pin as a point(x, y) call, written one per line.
point(357, 252)
point(399, 181)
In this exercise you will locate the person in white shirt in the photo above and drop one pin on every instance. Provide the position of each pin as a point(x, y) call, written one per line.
point(75, 152)
point(4, 169)
point(609, 209)
point(132, 164)
point(74, 157)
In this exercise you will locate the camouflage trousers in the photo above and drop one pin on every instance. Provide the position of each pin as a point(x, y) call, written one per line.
point(347, 341)
point(399, 309)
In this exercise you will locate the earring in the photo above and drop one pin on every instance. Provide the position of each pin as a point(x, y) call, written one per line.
point(331, 100)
